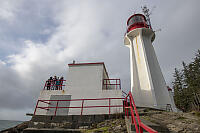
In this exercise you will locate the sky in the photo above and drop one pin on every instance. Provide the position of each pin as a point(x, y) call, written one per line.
point(39, 38)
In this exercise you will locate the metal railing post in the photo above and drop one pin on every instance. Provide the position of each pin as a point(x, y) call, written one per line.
point(82, 106)
point(127, 108)
point(45, 85)
point(133, 103)
point(141, 125)
point(36, 107)
point(116, 84)
point(120, 84)
point(56, 108)
point(109, 105)
point(106, 84)
point(140, 128)
point(124, 106)
point(133, 120)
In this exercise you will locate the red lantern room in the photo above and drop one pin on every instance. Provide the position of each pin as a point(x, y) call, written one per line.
point(137, 21)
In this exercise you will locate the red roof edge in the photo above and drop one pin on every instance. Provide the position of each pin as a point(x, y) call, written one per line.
point(76, 64)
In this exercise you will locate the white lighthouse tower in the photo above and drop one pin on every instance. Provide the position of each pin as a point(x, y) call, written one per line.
point(147, 82)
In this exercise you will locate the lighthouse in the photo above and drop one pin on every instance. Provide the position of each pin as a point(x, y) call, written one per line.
point(147, 82)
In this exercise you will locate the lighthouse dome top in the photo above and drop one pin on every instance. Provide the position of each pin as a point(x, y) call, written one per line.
point(136, 21)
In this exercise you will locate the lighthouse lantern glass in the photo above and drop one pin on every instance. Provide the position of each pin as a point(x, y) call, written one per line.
point(136, 19)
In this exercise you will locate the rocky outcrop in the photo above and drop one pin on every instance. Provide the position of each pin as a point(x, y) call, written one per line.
point(17, 129)
point(175, 122)
point(108, 126)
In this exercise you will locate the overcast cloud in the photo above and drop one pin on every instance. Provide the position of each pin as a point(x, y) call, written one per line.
point(39, 38)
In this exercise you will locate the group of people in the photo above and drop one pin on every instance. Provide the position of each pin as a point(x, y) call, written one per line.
point(54, 83)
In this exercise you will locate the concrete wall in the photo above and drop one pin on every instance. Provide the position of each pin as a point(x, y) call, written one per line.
point(103, 110)
point(84, 82)
point(70, 121)
point(46, 95)
point(59, 111)
point(87, 82)
point(84, 78)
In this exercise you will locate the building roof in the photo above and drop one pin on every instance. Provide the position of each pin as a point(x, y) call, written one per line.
point(94, 63)
point(77, 64)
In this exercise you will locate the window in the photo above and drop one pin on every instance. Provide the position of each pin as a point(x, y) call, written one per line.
point(136, 19)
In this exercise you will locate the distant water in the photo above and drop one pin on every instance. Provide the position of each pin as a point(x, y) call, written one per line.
point(5, 124)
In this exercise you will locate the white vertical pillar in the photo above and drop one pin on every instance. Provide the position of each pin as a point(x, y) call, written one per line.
point(147, 82)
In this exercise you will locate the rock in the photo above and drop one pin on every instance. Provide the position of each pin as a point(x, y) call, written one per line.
point(66, 125)
point(175, 122)
point(111, 126)
point(118, 127)
point(17, 129)
point(83, 127)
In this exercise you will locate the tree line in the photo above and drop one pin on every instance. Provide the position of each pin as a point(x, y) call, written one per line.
point(186, 85)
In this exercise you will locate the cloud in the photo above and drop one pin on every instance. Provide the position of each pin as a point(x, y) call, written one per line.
point(14, 114)
point(177, 40)
point(7, 10)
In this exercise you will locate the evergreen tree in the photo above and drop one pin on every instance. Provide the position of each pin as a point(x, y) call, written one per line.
point(186, 85)
point(178, 88)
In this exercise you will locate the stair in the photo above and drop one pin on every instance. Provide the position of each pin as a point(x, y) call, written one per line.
point(157, 127)
point(50, 130)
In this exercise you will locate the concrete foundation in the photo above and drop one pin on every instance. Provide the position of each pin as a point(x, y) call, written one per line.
point(70, 121)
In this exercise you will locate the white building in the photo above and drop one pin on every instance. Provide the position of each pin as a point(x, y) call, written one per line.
point(147, 82)
point(88, 86)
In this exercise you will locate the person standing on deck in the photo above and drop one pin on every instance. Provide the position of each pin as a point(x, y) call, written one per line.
point(54, 83)
point(48, 83)
point(57, 83)
point(51, 82)
point(61, 83)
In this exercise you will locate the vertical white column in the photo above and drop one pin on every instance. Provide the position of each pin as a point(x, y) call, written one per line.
point(147, 82)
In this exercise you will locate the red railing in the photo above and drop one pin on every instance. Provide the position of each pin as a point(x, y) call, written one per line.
point(124, 94)
point(54, 84)
point(129, 104)
point(82, 104)
point(110, 84)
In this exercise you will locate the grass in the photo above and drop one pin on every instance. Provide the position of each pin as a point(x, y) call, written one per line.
point(103, 129)
point(197, 114)
point(180, 118)
point(146, 110)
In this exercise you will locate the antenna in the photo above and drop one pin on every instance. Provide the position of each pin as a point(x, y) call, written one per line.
point(158, 30)
point(147, 14)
